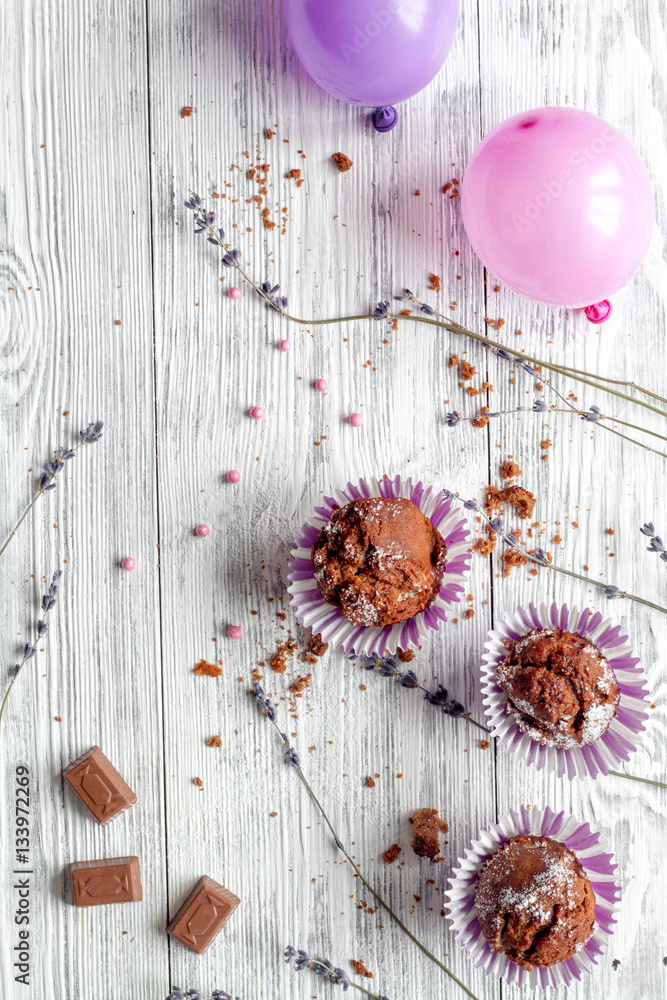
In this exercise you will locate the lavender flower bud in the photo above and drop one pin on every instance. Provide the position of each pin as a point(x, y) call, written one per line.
point(408, 679)
point(290, 953)
point(496, 524)
point(471, 505)
point(381, 310)
point(28, 651)
point(539, 406)
point(447, 495)
point(612, 592)
point(453, 418)
point(42, 627)
point(593, 415)
point(425, 308)
point(302, 961)
point(648, 529)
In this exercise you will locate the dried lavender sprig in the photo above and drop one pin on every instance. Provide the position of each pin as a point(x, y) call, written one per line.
point(539, 557)
point(325, 970)
point(47, 482)
point(262, 700)
point(656, 543)
point(178, 994)
point(387, 666)
point(433, 319)
point(592, 415)
point(30, 649)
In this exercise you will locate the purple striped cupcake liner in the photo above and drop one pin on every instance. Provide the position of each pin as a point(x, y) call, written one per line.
point(314, 612)
point(599, 867)
point(617, 743)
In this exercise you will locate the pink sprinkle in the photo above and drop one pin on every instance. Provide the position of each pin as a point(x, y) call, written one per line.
point(285, 345)
point(257, 413)
point(202, 530)
point(356, 419)
point(322, 385)
point(128, 563)
point(234, 632)
point(235, 293)
point(234, 476)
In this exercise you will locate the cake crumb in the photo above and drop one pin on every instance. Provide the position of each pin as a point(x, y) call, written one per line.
point(206, 669)
point(186, 111)
point(343, 162)
point(391, 854)
point(467, 370)
point(360, 969)
point(484, 744)
point(215, 741)
point(369, 782)
point(453, 361)
point(520, 499)
point(509, 470)
point(199, 783)
point(405, 655)
point(434, 283)
point(278, 661)
point(427, 827)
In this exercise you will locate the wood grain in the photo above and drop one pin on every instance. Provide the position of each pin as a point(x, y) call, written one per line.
point(97, 164)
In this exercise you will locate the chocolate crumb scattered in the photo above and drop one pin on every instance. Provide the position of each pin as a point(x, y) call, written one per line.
point(434, 283)
point(369, 782)
point(300, 684)
point(467, 370)
point(485, 546)
point(278, 661)
point(215, 741)
point(360, 969)
point(520, 499)
point(484, 744)
point(186, 111)
point(405, 655)
point(427, 829)
point(206, 669)
point(199, 783)
point(269, 133)
point(453, 361)
point(343, 162)
point(509, 470)
point(391, 854)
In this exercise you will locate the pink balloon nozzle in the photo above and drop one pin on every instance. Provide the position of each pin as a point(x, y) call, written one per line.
point(599, 312)
point(384, 118)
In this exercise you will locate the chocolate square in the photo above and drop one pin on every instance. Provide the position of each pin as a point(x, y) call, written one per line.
point(203, 914)
point(114, 880)
point(99, 785)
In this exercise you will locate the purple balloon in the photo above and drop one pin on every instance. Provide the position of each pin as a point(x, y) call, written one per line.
point(372, 52)
point(559, 206)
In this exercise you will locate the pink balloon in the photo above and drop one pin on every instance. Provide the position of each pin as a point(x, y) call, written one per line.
point(559, 206)
point(372, 52)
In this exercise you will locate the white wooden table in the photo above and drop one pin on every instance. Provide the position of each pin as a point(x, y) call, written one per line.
point(111, 309)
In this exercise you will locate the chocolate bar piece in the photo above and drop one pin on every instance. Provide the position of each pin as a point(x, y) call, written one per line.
point(202, 915)
point(114, 880)
point(99, 785)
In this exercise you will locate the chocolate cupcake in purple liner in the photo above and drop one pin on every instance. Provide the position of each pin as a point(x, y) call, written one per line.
point(378, 565)
point(563, 690)
point(534, 898)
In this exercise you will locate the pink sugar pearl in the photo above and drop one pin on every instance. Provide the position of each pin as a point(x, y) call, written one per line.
point(234, 632)
point(356, 419)
point(235, 293)
point(257, 413)
point(128, 563)
point(202, 530)
point(322, 385)
point(285, 345)
point(234, 476)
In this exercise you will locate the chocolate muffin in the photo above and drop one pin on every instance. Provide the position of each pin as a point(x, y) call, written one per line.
point(535, 902)
point(560, 687)
point(380, 561)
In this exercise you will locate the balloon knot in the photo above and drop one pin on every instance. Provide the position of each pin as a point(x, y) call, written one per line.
point(599, 312)
point(384, 118)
